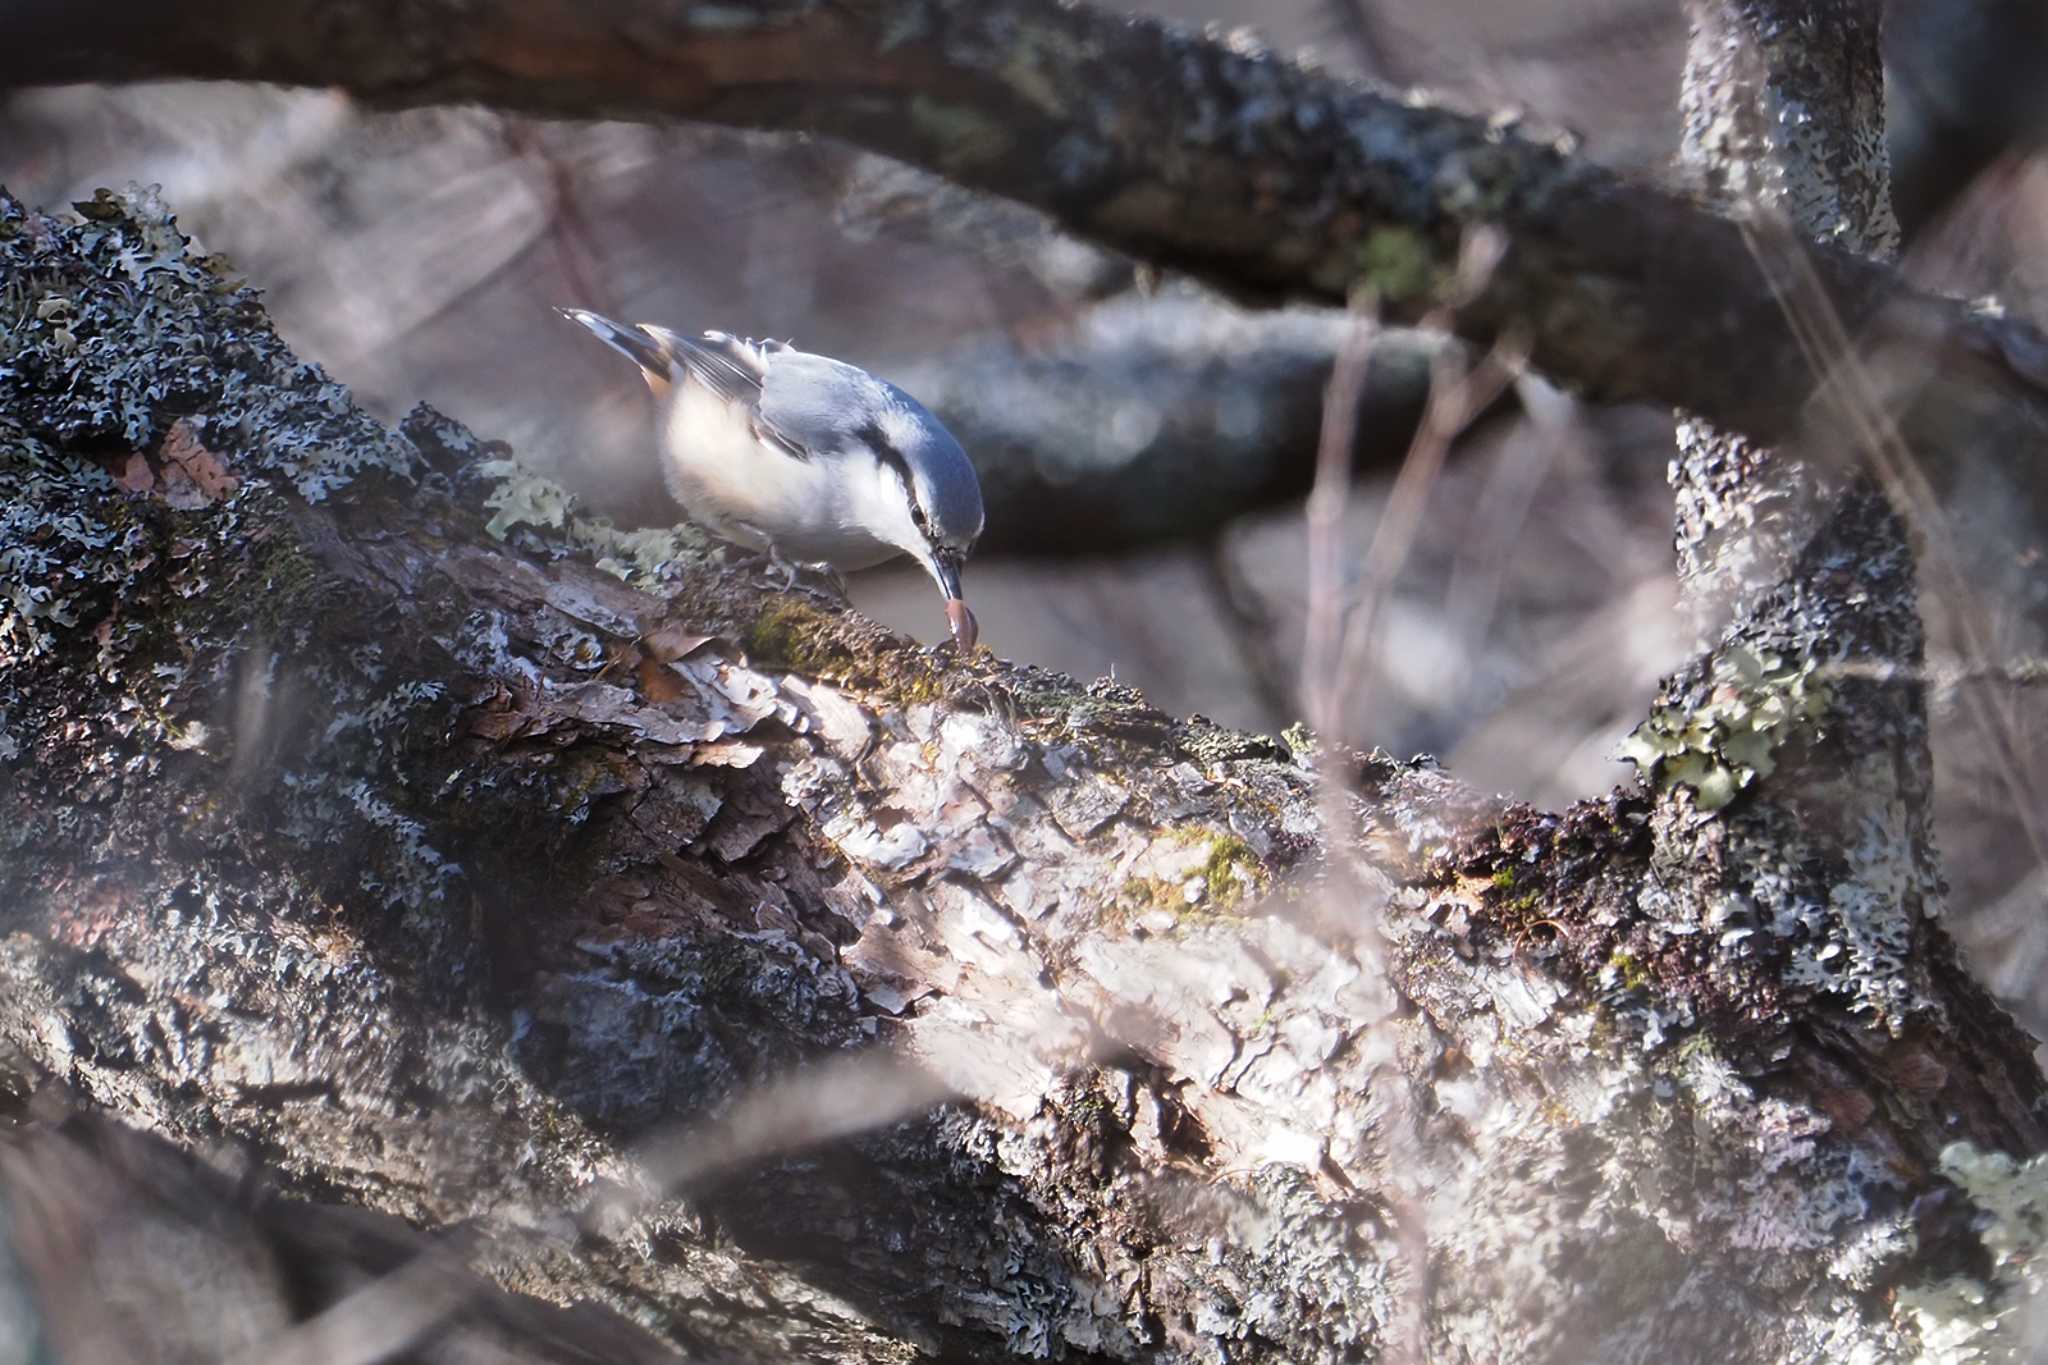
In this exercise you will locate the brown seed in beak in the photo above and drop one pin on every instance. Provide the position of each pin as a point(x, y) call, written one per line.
point(965, 629)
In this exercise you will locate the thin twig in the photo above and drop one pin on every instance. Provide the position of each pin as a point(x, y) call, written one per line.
point(1328, 500)
point(1456, 397)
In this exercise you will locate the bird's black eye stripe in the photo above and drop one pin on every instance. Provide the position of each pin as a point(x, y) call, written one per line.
point(878, 440)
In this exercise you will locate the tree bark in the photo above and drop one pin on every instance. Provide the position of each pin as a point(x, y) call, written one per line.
point(569, 890)
point(1810, 673)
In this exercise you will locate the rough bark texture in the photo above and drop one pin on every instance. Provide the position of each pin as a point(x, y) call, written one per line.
point(447, 872)
point(1190, 153)
point(1799, 578)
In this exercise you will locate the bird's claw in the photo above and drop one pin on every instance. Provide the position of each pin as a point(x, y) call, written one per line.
point(834, 579)
point(831, 587)
point(784, 575)
point(821, 581)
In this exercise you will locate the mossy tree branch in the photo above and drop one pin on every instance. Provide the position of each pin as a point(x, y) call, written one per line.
point(445, 871)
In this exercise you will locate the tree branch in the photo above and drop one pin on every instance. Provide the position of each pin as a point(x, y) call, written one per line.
point(1162, 419)
point(1253, 173)
point(451, 873)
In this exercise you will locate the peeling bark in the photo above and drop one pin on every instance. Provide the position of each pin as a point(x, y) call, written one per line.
point(570, 890)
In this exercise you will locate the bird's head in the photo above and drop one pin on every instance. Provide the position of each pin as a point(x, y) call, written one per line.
point(944, 499)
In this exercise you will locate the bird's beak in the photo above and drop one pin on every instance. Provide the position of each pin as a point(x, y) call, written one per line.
point(966, 630)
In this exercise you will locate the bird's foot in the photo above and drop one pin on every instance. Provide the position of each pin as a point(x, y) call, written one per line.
point(819, 580)
point(787, 571)
point(737, 558)
point(834, 581)
point(779, 568)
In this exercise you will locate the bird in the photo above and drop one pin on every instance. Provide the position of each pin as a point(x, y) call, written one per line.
point(805, 458)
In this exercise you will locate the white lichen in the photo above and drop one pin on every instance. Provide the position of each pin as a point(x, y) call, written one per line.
point(1964, 1321)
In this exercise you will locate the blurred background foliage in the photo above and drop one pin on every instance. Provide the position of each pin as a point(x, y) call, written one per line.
point(1145, 445)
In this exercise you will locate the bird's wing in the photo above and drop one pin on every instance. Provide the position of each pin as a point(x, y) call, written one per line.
point(736, 370)
point(726, 365)
point(817, 404)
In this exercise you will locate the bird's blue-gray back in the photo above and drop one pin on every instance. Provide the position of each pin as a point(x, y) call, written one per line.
point(828, 405)
point(816, 401)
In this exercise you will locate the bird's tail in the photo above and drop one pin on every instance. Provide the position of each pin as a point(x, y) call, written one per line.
point(655, 360)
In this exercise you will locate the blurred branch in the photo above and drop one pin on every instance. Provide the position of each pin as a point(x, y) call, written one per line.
point(1256, 174)
point(1159, 419)
point(1965, 91)
point(1361, 26)
point(134, 1251)
point(875, 196)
